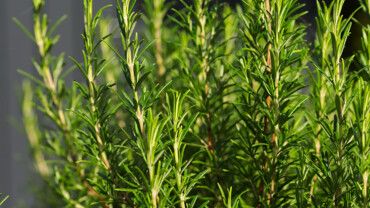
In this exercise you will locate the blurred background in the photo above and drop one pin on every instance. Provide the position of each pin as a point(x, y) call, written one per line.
point(17, 176)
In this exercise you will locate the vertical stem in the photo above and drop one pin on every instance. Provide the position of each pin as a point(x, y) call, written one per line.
point(177, 152)
point(30, 123)
point(89, 42)
point(154, 198)
point(203, 77)
point(268, 98)
point(151, 170)
point(269, 67)
point(273, 140)
point(159, 50)
point(158, 21)
point(365, 177)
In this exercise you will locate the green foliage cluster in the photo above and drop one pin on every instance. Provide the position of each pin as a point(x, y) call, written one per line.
point(206, 106)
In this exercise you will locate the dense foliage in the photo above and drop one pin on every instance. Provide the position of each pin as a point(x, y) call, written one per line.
point(205, 106)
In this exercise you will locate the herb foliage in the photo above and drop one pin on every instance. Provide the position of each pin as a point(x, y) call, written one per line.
point(207, 106)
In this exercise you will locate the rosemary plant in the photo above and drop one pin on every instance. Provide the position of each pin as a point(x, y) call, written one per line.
point(209, 106)
point(207, 75)
point(361, 116)
point(331, 163)
point(3, 199)
point(271, 76)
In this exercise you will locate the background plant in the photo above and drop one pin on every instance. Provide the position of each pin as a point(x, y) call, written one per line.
point(209, 106)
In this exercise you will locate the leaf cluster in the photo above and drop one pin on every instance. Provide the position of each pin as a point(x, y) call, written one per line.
point(206, 106)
